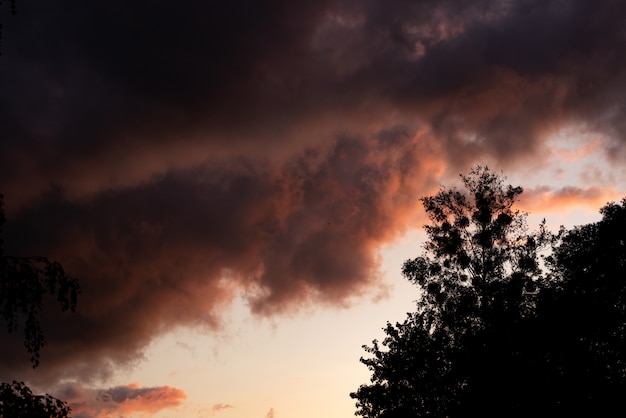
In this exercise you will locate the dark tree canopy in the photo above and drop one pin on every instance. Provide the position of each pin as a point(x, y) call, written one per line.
point(18, 401)
point(13, 5)
point(581, 318)
point(24, 283)
point(476, 243)
point(498, 331)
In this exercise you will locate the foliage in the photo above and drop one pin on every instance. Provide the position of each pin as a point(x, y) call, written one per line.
point(17, 401)
point(480, 268)
point(13, 4)
point(405, 384)
point(476, 243)
point(498, 332)
point(24, 281)
point(583, 317)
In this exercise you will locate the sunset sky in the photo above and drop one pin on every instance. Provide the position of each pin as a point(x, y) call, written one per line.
point(236, 183)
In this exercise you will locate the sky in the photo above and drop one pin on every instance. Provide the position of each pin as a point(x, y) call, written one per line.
point(236, 183)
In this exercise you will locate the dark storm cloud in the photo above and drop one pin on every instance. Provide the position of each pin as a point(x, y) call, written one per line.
point(175, 250)
point(83, 76)
point(173, 155)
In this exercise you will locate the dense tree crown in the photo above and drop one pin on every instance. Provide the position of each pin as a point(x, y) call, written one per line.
point(499, 330)
point(476, 243)
point(18, 401)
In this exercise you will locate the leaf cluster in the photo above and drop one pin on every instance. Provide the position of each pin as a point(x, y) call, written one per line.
point(479, 256)
point(18, 401)
point(24, 283)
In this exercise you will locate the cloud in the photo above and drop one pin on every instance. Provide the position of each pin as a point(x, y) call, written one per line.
point(240, 153)
point(483, 82)
point(546, 199)
point(218, 407)
point(177, 250)
point(120, 400)
point(585, 150)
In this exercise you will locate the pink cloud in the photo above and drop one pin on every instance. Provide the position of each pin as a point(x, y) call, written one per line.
point(546, 199)
point(120, 401)
point(579, 152)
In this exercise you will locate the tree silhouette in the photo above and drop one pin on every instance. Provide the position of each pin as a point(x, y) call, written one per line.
point(13, 5)
point(494, 333)
point(24, 281)
point(480, 269)
point(569, 357)
point(582, 318)
point(17, 401)
point(477, 243)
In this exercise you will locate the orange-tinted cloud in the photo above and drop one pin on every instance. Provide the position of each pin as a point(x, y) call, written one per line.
point(546, 199)
point(579, 152)
point(120, 401)
point(177, 250)
point(239, 153)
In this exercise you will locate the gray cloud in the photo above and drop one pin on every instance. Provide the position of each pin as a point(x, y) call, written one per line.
point(120, 400)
